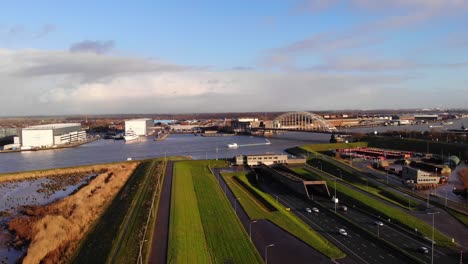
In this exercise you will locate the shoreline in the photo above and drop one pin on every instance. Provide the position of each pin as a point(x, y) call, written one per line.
point(72, 145)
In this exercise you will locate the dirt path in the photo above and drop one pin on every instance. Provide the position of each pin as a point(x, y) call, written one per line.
point(160, 240)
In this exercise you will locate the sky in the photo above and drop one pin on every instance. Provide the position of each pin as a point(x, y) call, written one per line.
point(108, 57)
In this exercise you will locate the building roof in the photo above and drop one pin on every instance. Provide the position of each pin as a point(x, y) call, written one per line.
point(139, 119)
point(52, 126)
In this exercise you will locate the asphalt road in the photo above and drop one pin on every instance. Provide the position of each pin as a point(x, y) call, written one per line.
point(358, 245)
point(450, 226)
point(287, 248)
point(160, 239)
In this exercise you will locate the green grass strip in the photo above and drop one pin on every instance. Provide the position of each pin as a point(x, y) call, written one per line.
point(187, 242)
point(212, 233)
point(365, 201)
point(281, 217)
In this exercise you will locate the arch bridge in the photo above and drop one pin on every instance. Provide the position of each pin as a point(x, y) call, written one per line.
point(301, 121)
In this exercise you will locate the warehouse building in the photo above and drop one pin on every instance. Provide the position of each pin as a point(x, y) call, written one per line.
point(141, 127)
point(51, 135)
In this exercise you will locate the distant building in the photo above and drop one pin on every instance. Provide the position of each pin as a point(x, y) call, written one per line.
point(141, 127)
point(426, 117)
point(51, 135)
point(267, 159)
point(415, 176)
point(244, 125)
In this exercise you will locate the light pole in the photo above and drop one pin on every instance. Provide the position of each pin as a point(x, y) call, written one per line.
point(334, 200)
point(266, 252)
point(378, 231)
point(341, 176)
point(409, 205)
point(250, 228)
point(428, 192)
point(432, 254)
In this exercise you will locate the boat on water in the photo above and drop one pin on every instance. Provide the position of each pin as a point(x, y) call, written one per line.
point(130, 135)
point(232, 145)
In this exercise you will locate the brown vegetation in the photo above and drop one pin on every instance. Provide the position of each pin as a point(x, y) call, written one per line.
point(55, 230)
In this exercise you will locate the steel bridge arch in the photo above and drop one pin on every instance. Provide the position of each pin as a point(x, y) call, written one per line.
point(304, 121)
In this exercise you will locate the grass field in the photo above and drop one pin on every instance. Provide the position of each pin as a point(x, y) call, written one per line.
point(116, 236)
point(256, 209)
point(203, 226)
point(459, 216)
point(130, 236)
point(361, 183)
point(357, 198)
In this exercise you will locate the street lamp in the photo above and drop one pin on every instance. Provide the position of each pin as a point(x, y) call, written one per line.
point(409, 205)
point(432, 254)
point(341, 176)
point(334, 200)
point(266, 252)
point(250, 228)
point(378, 230)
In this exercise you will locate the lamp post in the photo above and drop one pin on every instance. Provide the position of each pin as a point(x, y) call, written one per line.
point(266, 252)
point(432, 254)
point(341, 176)
point(378, 231)
point(334, 200)
point(250, 228)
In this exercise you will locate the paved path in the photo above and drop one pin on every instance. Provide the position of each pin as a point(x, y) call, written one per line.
point(287, 249)
point(161, 231)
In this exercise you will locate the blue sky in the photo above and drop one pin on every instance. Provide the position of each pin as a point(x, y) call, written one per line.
point(202, 54)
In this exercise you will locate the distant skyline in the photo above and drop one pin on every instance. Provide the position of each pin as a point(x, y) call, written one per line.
point(112, 57)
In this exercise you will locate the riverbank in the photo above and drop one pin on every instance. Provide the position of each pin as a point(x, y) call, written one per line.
point(71, 145)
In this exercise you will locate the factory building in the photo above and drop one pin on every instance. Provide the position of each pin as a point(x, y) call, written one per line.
point(141, 127)
point(418, 177)
point(51, 135)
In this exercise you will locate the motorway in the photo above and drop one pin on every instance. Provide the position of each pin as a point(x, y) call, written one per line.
point(450, 226)
point(358, 245)
point(395, 234)
point(287, 248)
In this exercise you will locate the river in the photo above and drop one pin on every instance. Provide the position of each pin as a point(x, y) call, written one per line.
point(103, 151)
point(197, 147)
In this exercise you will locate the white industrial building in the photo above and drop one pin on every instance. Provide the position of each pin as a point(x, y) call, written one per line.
point(51, 135)
point(141, 127)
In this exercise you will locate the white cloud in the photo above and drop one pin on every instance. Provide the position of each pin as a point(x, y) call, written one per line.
point(34, 82)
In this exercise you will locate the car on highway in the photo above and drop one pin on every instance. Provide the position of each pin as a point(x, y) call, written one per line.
point(308, 210)
point(343, 232)
point(315, 209)
point(423, 250)
point(378, 223)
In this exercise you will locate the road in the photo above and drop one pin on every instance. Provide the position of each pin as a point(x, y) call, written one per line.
point(158, 252)
point(450, 226)
point(287, 249)
point(359, 246)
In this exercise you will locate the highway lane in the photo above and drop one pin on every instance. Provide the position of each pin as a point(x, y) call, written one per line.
point(359, 246)
point(451, 227)
point(396, 234)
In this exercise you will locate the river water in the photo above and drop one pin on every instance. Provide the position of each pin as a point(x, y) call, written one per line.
point(197, 147)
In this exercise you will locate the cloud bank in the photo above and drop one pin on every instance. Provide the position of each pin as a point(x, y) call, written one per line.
point(35, 82)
